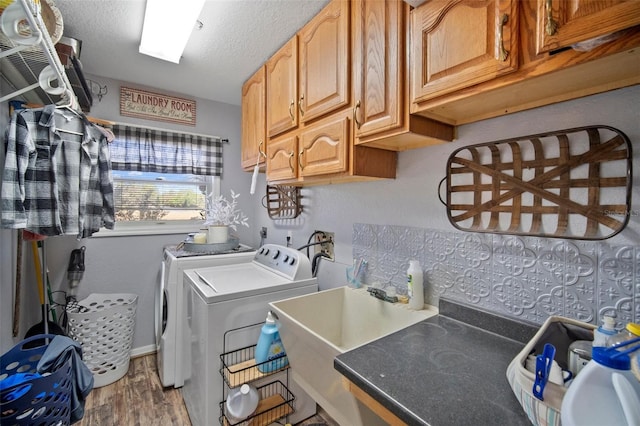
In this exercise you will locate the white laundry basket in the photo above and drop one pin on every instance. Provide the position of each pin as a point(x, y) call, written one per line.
point(103, 324)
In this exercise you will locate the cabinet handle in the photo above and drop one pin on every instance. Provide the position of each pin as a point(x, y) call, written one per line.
point(300, 160)
point(291, 162)
point(503, 53)
point(552, 25)
point(291, 105)
point(355, 115)
point(300, 106)
point(260, 151)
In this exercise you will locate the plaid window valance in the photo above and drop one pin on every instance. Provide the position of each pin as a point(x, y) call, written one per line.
point(152, 150)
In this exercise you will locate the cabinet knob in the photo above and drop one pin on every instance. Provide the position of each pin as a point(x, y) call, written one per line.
point(355, 115)
point(552, 25)
point(300, 160)
point(291, 162)
point(503, 53)
point(291, 105)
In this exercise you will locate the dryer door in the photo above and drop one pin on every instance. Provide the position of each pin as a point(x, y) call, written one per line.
point(161, 305)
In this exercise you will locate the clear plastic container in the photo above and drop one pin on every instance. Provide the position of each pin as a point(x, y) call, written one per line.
point(631, 331)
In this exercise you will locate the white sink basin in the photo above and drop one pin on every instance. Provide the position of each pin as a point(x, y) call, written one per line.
point(317, 327)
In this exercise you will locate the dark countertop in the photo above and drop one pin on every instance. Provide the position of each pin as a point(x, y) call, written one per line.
point(444, 371)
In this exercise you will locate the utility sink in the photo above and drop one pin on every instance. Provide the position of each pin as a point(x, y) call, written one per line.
point(315, 328)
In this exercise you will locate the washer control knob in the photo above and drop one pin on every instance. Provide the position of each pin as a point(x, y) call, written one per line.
point(276, 254)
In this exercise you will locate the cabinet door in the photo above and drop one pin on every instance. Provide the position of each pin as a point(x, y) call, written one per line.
point(378, 64)
point(561, 23)
point(324, 62)
point(282, 161)
point(460, 43)
point(282, 89)
point(254, 134)
point(323, 147)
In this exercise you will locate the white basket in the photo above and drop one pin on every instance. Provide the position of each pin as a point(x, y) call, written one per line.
point(103, 324)
point(547, 412)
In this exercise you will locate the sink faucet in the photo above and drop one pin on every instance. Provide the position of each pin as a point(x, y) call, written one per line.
point(381, 294)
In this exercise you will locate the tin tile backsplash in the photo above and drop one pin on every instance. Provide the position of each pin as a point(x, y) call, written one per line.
point(529, 278)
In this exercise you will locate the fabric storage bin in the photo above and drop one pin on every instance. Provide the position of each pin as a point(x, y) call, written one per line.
point(44, 400)
point(560, 332)
point(103, 324)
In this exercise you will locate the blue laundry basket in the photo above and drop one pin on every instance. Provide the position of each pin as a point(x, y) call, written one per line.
point(44, 400)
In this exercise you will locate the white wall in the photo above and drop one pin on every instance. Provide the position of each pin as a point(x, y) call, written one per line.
point(132, 264)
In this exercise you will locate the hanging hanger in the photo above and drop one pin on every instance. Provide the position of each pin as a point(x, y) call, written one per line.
point(70, 103)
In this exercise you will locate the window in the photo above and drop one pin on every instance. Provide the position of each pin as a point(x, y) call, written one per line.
point(160, 198)
point(161, 179)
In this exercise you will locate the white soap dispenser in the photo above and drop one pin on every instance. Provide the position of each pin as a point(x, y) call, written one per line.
point(415, 285)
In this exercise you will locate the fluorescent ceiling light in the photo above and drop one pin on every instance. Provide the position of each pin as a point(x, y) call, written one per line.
point(167, 27)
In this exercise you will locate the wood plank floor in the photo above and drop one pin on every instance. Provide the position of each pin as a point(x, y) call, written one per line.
point(138, 399)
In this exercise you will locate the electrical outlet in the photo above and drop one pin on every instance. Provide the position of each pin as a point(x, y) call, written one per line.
point(327, 247)
point(263, 232)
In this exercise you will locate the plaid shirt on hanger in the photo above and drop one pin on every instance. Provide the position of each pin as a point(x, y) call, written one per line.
point(55, 183)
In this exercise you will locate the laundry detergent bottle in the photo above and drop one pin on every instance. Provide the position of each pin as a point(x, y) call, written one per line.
point(270, 348)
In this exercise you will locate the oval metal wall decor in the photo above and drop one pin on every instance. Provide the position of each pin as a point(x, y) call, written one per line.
point(573, 183)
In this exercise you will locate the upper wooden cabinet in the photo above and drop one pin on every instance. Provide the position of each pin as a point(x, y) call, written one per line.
point(282, 89)
point(459, 43)
point(324, 148)
point(282, 161)
point(451, 48)
point(308, 77)
point(378, 64)
point(380, 80)
point(562, 23)
point(254, 135)
point(324, 62)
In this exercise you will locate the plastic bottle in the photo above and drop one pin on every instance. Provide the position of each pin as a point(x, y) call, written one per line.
point(415, 285)
point(270, 347)
point(631, 331)
point(605, 393)
point(241, 403)
point(604, 332)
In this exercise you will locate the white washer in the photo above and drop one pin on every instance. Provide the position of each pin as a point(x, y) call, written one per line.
point(170, 311)
point(229, 297)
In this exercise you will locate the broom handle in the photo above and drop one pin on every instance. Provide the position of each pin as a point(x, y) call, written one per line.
point(43, 279)
point(16, 303)
point(40, 277)
point(36, 261)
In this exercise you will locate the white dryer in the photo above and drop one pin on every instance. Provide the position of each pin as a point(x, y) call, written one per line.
point(225, 298)
point(170, 311)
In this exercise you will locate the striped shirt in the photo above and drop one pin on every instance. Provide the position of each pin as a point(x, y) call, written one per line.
point(56, 183)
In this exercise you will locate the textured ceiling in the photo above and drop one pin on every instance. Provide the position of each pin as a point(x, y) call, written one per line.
point(237, 37)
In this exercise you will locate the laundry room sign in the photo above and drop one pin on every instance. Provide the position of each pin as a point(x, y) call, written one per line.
point(156, 106)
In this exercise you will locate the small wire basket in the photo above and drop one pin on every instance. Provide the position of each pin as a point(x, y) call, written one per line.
point(239, 366)
point(276, 402)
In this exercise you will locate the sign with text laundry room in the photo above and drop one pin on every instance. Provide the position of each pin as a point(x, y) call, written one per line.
point(156, 106)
